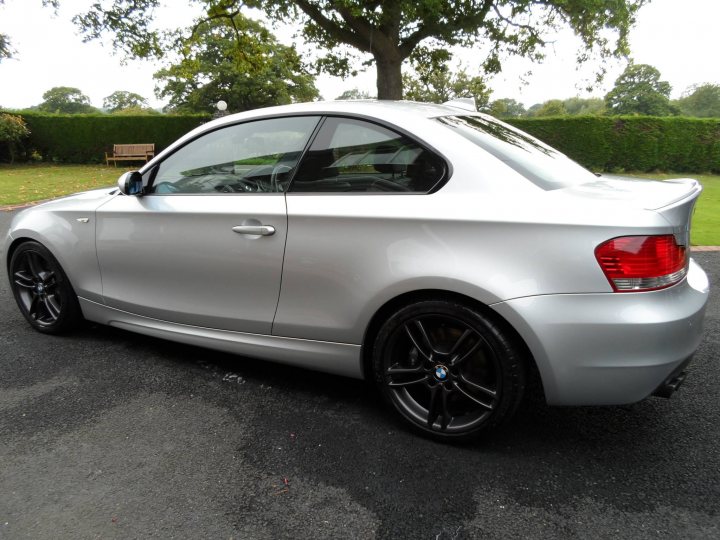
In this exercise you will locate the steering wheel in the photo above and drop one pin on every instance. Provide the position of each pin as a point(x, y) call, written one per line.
point(165, 187)
point(276, 172)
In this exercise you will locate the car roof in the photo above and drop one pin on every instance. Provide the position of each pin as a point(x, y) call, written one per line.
point(366, 107)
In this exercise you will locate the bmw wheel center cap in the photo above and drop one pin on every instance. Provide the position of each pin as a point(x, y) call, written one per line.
point(441, 373)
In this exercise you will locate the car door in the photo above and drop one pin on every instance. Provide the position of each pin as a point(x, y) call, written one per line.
point(357, 214)
point(205, 245)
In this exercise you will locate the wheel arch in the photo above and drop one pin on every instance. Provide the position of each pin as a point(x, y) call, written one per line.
point(17, 242)
point(14, 244)
point(391, 306)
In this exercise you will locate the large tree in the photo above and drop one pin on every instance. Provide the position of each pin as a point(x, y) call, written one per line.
point(387, 32)
point(506, 108)
point(552, 107)
point(701, 100)
point(578, 105)
point(235, 60)
point(639, 90)
point(121, 100)
point(67, 100)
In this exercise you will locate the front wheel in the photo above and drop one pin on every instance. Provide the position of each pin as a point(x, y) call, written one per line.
point(42, 290)
point(447, 369)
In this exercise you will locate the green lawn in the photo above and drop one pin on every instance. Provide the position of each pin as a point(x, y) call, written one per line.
point(25, 183)
point(706, 222)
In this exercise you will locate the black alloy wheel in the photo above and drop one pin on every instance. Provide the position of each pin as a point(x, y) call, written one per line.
point(42, 290)
point(448, 369)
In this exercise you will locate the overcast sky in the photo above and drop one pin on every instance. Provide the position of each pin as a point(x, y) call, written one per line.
point(678, 38)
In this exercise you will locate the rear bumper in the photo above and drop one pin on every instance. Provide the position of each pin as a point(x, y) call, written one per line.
point(610, 348)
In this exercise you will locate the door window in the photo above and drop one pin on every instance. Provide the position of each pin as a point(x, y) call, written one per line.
point(351, 155)
point(253, 157)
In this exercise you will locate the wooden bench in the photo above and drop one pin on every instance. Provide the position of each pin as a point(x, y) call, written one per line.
point(131, 152)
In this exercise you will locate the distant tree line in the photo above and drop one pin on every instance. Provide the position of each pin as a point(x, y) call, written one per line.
point(267, 73)
point(638, 91)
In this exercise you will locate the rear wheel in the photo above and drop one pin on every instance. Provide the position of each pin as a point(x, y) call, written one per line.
point(42, 290)
point(447, 369)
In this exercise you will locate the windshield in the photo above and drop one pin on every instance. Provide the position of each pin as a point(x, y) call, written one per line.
point(536, 161)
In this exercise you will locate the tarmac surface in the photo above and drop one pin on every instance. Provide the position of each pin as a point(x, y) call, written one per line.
point(107, 434)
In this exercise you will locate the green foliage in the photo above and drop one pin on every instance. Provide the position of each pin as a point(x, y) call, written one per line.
point(85, 138)
point(136, 111)
point(553, 107)
point(433, 82)
point(506, 108)
point(355, 93)
point(639, 90)
point(632, 143)
point(387, 33)
point(701, 100)
point(12, 130)
point(5, 47)
point(66, 100)
point(577, 105)
point(238, 61)
point(121, 100)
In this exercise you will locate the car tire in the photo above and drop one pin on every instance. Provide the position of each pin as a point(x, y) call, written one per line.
point(42, 290)
point(448, 370)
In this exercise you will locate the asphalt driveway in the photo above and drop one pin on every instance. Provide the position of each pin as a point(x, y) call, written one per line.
point(114, 435)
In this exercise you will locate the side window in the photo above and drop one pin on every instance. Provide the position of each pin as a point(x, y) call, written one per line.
point(254, 157)
point(353, 155)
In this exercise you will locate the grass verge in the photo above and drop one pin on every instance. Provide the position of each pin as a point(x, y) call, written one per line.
point(24, 183)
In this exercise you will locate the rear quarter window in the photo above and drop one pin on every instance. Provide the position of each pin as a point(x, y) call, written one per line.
point(539, 163)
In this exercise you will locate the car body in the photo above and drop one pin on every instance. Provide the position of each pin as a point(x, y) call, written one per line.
point(336, 235)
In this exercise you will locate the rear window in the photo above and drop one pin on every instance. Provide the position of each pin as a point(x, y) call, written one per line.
point(536, 161)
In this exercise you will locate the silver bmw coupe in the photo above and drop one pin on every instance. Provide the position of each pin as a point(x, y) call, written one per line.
point(439, 253)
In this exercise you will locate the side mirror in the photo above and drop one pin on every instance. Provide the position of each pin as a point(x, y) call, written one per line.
point(131, 183)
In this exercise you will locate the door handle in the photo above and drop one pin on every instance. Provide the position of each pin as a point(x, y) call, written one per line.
point(256, 230)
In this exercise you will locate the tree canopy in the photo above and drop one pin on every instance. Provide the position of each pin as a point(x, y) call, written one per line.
point(67, 100)
point(578, 105)
point(639, 90)
point(386, 33)
point(355, 93)
point(5, 49)
point(701, 100)
point(235, 60)
point(506, 108)
point(434, 82)
point(569, 106)
point(121, 100)
point(552, 107)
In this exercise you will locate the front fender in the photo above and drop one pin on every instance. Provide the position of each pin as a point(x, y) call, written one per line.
point(70, 236)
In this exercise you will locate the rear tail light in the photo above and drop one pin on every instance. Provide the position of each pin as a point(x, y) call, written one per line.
point(642, 263)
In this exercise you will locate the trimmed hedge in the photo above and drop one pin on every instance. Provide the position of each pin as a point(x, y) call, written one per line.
point(632, 143)
point(84, 138)
point(601, 143)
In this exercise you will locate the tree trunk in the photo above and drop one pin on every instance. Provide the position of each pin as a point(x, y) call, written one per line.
point(389, 78)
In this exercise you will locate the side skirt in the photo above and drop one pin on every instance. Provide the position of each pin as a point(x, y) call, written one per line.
point(336, 358)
